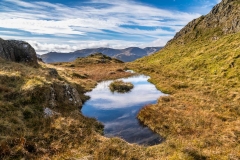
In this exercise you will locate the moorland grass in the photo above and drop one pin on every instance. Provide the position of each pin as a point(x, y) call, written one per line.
point(200, 119)
point(26, 132)
point(120, 86)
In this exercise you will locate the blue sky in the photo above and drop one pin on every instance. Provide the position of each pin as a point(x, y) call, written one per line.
point(69, 25)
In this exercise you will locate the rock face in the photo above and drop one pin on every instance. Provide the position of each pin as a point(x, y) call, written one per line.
point(225, 14)
point(63, 95)
point(18, 51)
point(223, 19)
point(72, 95)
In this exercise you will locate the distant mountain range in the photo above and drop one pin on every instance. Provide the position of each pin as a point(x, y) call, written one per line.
point(126, 55)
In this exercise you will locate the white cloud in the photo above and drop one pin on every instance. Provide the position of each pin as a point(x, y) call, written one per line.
point(71, 46)
point(146, 92)
point(39, 26)
point(44, 45)
point(159, 42)
point(128, 22)
point(10, 32)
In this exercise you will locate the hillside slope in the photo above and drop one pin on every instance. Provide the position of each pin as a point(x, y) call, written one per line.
point(40, 114)
point(126, 55)
point(200, 69)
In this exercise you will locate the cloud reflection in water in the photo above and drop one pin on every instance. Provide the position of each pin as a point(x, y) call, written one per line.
point(143, 91)
point(118, 111)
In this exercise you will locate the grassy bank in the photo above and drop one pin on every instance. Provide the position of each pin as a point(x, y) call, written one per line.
point(120, 86)
point(200, 119)
point(26, 131)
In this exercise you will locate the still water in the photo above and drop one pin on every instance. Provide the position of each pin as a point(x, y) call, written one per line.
point(118, 111)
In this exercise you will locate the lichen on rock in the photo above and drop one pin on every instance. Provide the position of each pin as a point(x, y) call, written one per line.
point(63, 94)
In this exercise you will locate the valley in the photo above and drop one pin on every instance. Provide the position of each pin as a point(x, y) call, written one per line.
point(197, 116)
point(125, 55)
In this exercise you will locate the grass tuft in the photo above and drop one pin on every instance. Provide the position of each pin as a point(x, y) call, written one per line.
point(120, 86)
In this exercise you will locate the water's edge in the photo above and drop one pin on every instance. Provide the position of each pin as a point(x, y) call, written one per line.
point(118, 111)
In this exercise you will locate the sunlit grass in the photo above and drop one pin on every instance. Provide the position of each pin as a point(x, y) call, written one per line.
point(25, 130)
point(120, 86)
point(202, 111)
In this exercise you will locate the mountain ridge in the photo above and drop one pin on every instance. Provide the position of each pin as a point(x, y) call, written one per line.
point(126, 55)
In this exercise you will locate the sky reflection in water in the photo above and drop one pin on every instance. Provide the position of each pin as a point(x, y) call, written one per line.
point(118, 111)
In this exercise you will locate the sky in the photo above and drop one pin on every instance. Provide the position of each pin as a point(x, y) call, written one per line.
point(69, 25)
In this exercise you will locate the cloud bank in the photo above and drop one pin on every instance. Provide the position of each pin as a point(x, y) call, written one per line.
point(95, 23)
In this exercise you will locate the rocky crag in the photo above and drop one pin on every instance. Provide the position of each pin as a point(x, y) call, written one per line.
point(22, 52)
point(223, 19)
point(18, 51)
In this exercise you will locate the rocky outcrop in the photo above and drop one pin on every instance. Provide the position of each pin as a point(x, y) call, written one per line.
point(63, 95)
point(225, 15)
point(18, 51)
point(223, 19)
point(72, 95)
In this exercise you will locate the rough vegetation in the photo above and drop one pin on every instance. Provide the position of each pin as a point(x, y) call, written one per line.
point(96, 67)
point(40, 113)
point(120, 86)
point(96, 59)
point(200, 119)
point(199, 68)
